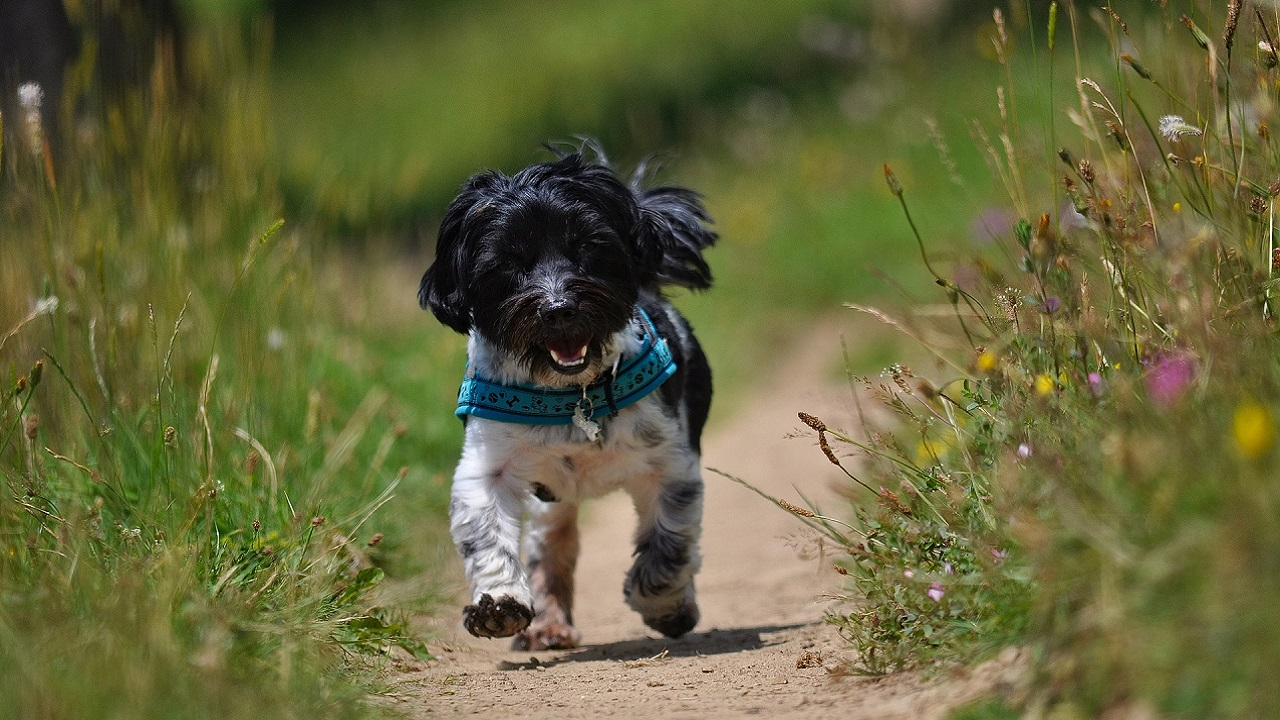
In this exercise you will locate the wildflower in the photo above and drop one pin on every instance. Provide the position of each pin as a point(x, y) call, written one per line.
point(935, 592)
point(1024, 450)
point(30, 97)
point(1044, 384)
point(1051, 305)
point(1169, 379)
point(1177, 207)
point(1095, 384)
point(45, 305)
point(908, 573)
point(986, 361)
point(1173, 127)
point(1253, 428)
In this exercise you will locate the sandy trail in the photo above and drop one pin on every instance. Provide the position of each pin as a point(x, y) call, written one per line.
point(761, 648)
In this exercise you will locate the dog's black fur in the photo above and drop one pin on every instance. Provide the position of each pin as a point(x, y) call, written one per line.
point(545, 270)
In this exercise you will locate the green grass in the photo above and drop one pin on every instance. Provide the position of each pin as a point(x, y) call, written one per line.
point(1089, 469)
point(201, 446)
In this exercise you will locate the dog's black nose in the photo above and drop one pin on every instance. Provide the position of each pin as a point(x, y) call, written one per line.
point(559, 313)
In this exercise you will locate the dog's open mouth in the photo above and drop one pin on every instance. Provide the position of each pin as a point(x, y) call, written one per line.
point(569, 355)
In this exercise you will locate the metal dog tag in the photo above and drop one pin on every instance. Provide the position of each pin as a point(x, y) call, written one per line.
point(582, 418)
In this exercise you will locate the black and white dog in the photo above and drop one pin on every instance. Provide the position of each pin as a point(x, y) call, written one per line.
point(581, 379)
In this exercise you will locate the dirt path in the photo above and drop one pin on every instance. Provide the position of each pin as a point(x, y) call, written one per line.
point(761, 648)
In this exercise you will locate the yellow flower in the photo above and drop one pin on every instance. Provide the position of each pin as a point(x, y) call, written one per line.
point(1253, 428)
point(987, 361)
point(1177, 207)
point(1044, 384)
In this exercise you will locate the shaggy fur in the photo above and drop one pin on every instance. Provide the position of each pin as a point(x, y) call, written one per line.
point(545, 270)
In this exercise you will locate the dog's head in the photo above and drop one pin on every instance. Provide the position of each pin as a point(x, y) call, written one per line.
point(547, 264)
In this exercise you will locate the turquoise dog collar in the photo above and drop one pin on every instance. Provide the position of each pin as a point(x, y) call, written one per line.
point(533, 405)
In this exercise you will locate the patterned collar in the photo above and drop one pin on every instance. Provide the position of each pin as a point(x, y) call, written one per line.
point(534, 405)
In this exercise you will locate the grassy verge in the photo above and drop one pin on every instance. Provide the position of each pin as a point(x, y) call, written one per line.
point(1090, 469)
point(199, 447)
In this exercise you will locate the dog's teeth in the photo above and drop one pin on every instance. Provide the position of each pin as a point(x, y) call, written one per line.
point(574, 359)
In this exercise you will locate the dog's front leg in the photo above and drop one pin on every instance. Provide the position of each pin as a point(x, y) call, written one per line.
point(659, 585)
point(485, 513)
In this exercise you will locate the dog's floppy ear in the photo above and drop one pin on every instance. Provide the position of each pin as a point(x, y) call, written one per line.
point(671, 235)
point(445, 287)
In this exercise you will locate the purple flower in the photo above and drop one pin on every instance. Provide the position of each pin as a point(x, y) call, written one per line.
point(1071, 219)
point(991, 223)
point(1169, 378)
point(1095, 384)
point(1051, 305)
point(935, 592)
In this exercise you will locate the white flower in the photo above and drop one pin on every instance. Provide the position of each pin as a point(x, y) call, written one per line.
point(30, 95)
point(1024, 450)
point(45, 306)
point(276, 338)
point(1173, 127)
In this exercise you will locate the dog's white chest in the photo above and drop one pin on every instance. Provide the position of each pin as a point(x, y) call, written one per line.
point(638, 447)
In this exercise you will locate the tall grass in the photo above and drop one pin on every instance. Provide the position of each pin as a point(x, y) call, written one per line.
point(195, 477)
point(1089, 468)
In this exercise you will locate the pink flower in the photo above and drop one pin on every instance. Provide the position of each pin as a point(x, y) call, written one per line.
point(935, 592)
point(1095, 384)
point(1169, 378)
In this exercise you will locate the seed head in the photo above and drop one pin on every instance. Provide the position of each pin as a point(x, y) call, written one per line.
point(1132, 62)
point(802, 512)
point(1086, 171)
point(812, 422)
point(895, 186)
point(377, 538)
point(1233, 17)
point(1173, 127)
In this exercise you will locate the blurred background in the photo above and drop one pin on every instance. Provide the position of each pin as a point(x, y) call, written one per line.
point(780, 113)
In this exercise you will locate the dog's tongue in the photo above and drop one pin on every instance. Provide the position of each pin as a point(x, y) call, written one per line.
point(568, 352)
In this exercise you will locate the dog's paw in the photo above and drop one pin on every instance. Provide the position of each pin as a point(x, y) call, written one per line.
point(550, 636)
point(676, 623)
point(501, 618)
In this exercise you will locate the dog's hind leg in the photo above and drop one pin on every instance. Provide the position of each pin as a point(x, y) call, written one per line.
point(485, 513)
point(551, 546)
point(659, 585)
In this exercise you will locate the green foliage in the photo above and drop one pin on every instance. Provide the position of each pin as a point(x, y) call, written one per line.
point(1096, 464)
point(195, 468)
